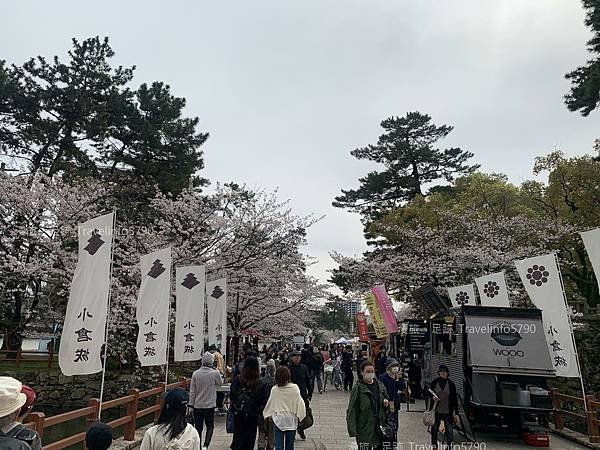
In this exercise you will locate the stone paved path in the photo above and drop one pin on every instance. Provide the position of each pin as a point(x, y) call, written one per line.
point(329, 431)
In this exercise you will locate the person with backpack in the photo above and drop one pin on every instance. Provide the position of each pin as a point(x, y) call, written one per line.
point(286, 408)
point(248, 398)
point(172, 432)
point(316, 370)
point(203, 396)
point(16, 402)
point(367, 409)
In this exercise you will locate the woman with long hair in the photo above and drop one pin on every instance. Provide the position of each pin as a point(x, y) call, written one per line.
point(172, 430)
point(248, 398)
point(286, 409)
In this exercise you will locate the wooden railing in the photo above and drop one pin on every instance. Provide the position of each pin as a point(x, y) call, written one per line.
point(19, 356)
point(131, 401)
point(575, 408)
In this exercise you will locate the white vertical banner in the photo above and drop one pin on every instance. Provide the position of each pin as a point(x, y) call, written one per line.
point(492, 290)
point(591, 240)
point(462, 295)
point(541, 277)
point(216, 302)
point(83, 333)
point(152, 309)
point(189, 315)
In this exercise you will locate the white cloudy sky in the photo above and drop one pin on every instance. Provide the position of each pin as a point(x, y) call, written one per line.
point(287, 88)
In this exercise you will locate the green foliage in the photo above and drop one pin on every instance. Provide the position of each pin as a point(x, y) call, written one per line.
point(408, 152)
point(585, 90)
point(72, 118)
point(333, 316)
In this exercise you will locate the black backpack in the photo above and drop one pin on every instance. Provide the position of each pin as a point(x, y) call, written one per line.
point(243, 403)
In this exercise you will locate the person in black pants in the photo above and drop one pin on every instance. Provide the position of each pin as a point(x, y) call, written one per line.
point(300, 376)
point(445, 402)
point(347, 368)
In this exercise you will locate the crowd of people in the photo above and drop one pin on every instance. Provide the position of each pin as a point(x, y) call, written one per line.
point(269, 398)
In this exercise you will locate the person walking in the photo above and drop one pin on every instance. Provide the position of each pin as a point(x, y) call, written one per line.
point(266, 437)
point(172, 430)
point(346, 366)
point(360, 358)
point(367, 409)
point(203, 396)
point(248, 398)
point(286, 409)
point(381, 363)
point(316, 372)
point(301, 377)
point(393, 383)
point(220, 366)
point(445, 402)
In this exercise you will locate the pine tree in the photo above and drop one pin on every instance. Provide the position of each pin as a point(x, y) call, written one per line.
point(411, 160)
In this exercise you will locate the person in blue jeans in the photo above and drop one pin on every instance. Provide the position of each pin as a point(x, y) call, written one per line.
point(286, 408)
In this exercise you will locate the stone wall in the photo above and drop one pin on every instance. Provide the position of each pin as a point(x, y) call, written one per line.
point(55, 390)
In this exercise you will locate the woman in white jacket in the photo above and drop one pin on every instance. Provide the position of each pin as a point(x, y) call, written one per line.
point(172, 430)
point(286, 408)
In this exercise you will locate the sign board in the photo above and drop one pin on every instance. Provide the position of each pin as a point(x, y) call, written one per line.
point(361, 327)
point(507, 343)
point(378, 323)
point(417, 335)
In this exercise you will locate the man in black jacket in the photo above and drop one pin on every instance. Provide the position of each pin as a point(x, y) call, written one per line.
point(347, 368)
point(445, 402)
point(301, 377)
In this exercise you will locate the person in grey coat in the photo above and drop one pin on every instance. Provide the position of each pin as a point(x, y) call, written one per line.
point(203, 396)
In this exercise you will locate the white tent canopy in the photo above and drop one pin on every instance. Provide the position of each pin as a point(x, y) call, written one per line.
point(342, 340)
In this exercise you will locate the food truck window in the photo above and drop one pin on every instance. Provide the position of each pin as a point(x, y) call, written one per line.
point(443, 338)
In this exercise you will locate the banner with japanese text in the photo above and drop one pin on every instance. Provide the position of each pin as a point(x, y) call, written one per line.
point(541, 277)
point(216, 302)
point(378, 323)
point(152, 308)
point(492, 290)
point(462, 295)
point(361, 327)
point(385, 307)
point(189, 315)
point(84, 329)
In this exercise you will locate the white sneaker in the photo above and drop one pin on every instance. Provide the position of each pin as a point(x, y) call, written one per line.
point(204, 448)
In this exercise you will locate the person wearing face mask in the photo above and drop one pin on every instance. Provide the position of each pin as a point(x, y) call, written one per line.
point(367, 409)
point(445, 402)
point(393, 383)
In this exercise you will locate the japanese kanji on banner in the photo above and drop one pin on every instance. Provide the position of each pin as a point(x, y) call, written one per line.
point(385, 306)
point(492, 290)
point(541, 277)
point(189, 317)
point(152, 309)
point(83, 333)
point(361, 327)
point(216, 302)
point(378, 323)
point(462, 295)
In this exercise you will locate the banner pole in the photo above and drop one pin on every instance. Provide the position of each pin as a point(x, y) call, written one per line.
point(572, 336)
point(107, 313)
point(169, 324)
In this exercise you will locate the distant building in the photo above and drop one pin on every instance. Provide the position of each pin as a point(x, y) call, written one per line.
point(352, 308)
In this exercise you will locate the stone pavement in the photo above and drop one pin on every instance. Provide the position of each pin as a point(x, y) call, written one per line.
point(329, 431)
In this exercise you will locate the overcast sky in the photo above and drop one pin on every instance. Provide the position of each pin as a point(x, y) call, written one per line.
point(287, 88)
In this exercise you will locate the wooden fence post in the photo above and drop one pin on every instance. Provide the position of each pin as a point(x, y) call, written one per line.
point(50, 357)
point(132, 409)
point(592, 424)
point(559, 417)
point(159, 400)
point(93, 416)
point(18, 358)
